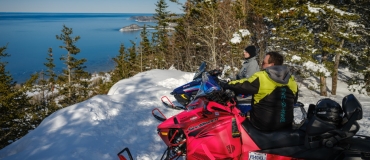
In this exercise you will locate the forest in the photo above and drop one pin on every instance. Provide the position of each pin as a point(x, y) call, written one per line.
point(327, 33)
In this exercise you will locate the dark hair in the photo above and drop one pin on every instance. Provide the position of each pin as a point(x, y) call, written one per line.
point(275, 58)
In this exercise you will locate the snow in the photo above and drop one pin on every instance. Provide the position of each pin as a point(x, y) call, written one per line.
point(320, 68)
point(314, 9)
point(296, 58)
point(237, 36)
point(100, 127)
point(338, 10)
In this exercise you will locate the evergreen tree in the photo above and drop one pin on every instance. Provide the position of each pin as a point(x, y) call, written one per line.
point(122, 65)
point(51, 76)
point(358, 57)
point(50, 73)
point(184, 48)
point(45, 100)
point(311, 31)
point(74, 83)
point(133, 60)
point(334, 29)
point(14, 122)
point(160, 36)
point(146, 54)
point(204, 32)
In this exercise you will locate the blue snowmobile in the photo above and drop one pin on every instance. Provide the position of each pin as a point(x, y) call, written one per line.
point(186, 93)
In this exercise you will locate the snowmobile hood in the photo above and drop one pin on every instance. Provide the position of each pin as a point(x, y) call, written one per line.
point(279, 74)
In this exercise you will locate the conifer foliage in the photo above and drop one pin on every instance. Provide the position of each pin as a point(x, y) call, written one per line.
point(122, 69)
point(14, 103)
point(327, 34)
point(74, 84)
point(160, 37)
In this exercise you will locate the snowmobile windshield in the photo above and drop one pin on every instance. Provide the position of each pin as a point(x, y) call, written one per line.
point(208, 85)
point(201, 69)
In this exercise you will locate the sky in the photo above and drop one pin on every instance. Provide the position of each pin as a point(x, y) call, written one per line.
point(85, 6)
point(100, 127)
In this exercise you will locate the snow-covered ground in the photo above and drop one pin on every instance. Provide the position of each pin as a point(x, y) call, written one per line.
point(102, 126)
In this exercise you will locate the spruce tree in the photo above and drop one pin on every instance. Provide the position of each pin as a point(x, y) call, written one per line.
point(160, 36)
point(122, 65)
point(146, 54)
point(133, 60)
point(50, 73)
point(14, 102)
point(315, 32)
point(50, 77)
point(358, 57)
point(74, 81)
point(45, 86)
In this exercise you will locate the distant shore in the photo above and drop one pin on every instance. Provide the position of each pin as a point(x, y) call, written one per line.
point(135, 27)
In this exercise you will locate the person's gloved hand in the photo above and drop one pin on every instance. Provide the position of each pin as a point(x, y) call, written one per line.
point(229, 93)
point(215, 72)
point(224, 84)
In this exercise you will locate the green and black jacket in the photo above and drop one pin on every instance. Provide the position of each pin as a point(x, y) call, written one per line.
point(274, 93)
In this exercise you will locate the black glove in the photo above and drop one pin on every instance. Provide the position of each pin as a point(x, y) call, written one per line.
point(224, 84)
point(229, 93)
point(215, 72)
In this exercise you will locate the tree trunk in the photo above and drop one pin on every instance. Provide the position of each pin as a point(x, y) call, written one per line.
point(323, 91)
point(69, 76)
point(335, 72)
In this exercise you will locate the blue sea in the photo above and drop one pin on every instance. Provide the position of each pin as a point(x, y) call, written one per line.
point(28, 37)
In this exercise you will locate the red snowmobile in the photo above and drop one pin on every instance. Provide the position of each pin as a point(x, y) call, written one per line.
point(215, 129)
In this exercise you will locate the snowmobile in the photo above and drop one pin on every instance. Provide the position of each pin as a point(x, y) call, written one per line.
point(215, 129)
point(186, 93)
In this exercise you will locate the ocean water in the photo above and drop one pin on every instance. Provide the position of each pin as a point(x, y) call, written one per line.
point(28, 37)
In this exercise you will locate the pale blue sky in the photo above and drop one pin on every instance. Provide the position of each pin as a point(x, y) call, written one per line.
point(85, 6)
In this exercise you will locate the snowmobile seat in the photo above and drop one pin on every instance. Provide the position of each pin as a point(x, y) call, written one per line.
point(275, 139)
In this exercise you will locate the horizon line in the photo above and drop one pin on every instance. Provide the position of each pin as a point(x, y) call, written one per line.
point(81, 12)
point(71, 12)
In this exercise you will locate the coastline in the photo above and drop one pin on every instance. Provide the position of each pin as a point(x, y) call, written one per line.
point(99, 43)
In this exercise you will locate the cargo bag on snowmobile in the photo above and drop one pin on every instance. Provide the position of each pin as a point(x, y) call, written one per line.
point(330, 124)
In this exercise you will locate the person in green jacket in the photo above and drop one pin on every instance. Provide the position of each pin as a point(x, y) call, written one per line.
point(274, 93)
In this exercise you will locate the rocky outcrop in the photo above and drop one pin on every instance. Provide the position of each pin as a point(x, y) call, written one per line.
point(132, 27)
point(143, 18)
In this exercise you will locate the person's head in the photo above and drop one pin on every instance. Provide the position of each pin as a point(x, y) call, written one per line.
point(250, 52)
point(271, 59)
